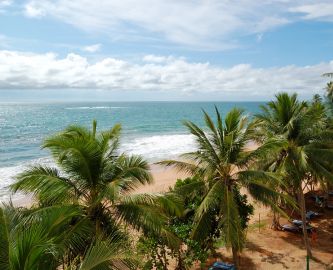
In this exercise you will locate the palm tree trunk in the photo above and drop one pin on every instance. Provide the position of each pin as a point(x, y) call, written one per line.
point(301, 202)
point(235, 256)
point(276, 221)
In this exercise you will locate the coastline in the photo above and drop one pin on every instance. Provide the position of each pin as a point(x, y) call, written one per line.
point(163, 178)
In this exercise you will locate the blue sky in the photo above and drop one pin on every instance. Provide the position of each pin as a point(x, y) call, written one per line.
point(163, 50)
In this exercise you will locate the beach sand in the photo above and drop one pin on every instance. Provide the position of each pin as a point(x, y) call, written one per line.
point(163, 179)
point(265, 249)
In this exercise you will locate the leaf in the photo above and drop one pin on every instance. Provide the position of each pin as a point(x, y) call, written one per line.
point(4, 243)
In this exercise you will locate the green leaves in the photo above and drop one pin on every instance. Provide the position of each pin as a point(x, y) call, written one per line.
point(149, 211)
point(4, 243)
point(301, 130)
point(212, 199)
point(88, 194)
point(230, 222)
point(107, 253)
point(221, 150)
point(38, 238)
point(306, 154)
point(47, 184)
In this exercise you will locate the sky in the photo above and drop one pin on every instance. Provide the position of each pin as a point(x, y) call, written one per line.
point(177, 50)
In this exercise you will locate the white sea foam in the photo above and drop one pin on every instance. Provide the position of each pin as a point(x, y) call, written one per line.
point(152, 148)
point(7, 176)
point(160, 147)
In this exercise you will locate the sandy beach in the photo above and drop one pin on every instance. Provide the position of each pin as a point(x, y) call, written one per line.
point(265, 249)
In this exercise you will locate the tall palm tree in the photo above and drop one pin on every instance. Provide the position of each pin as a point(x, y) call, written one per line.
point(297, 143)
point(92, 174)
point(221, 162)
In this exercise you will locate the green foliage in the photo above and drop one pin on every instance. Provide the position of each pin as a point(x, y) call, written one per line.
point(156, 251)
point(189, 250)
point(96, 181)
point(221, 148)
point(245, 209)
point(297, 143)
point(258, 225)
point(296, 139)
point(39, 238)
point(192, 190)
point(4, 243)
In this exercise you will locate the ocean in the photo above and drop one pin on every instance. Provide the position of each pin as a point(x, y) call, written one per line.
point(151, 129)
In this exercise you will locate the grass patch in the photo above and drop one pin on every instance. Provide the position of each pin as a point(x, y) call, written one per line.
point(258, 225)
point(219, 243)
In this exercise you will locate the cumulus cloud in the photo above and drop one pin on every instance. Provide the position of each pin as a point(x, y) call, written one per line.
point(30, 71)
point(209, 25)
point(92, 48)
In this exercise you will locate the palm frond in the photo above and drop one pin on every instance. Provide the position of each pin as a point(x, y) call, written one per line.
point(107, 254)
point(203, 226)
point(4, 243)
point(46, 183)
point(230, 222)
point(133, 168)
point(212, 199)
point(181, 166)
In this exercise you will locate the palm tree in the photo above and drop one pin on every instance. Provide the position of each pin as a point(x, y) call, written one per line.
point(329, 87)
point(38, 239)
point(47, 238)
point(221, 162)
point(92, 174)
point(296, 143)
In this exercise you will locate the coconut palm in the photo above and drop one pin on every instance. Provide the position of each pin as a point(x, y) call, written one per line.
point(329, 88)
point(48, 238)
point(297, 143)
point(92, 174)
point(221, 162)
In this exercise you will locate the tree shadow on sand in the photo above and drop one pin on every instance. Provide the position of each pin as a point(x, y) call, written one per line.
point(324, 242)
point(268, 256)
point(246, 263)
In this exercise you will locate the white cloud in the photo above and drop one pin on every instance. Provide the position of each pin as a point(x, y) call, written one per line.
point(92, 48)
point(208, 25)
point(30, 71)
point(319, 11)
point(5, 4)
point(157, 58)
point(33, 11)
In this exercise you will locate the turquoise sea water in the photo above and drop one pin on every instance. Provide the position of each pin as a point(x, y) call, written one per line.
point(152, 129)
